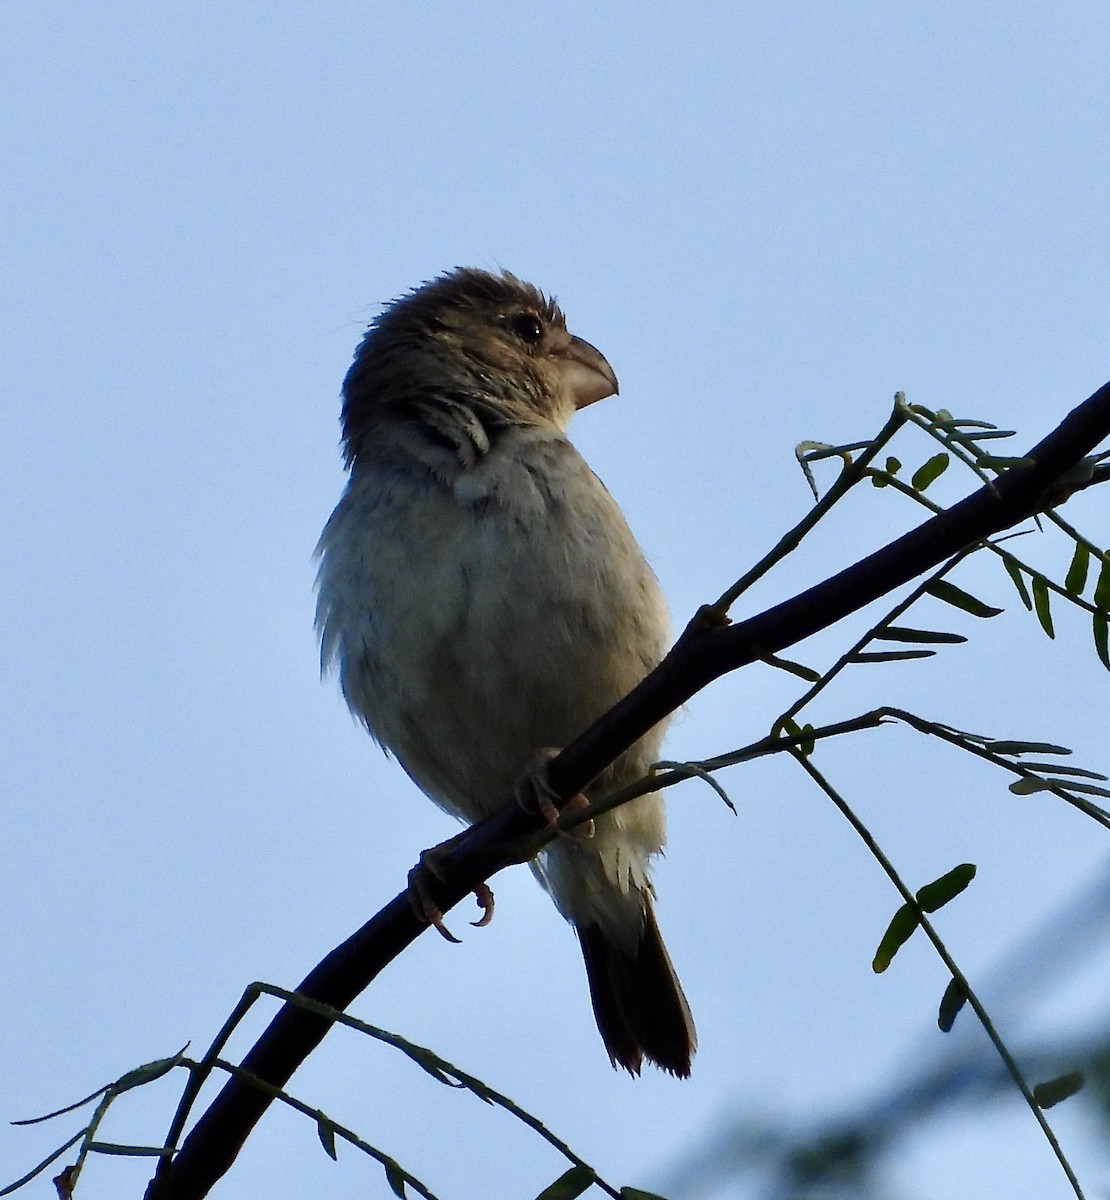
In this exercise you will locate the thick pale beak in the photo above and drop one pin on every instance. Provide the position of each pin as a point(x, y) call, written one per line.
point(587, 375)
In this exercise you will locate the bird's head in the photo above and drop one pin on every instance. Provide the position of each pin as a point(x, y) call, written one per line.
point(492, 342)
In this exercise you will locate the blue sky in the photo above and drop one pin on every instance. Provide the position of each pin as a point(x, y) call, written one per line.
point(769, 218)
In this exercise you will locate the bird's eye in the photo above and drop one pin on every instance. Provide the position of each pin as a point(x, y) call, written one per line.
point(526, 326)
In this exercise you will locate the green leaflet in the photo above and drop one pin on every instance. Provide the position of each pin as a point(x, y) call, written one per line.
point(127, 1151)
point(1026, 787)
point(1042, 604)
point(958, 598)
point(1101, 639)
point(326, 1132)
point(1060, 769)
point(395, 1177)
point(1014, 572)
point(1052, 1091)
point(902, 633)
point(951, 1002)
point(1014, 748)
point(792, 668)
point(929, 472)
point(805, 747)
point(569, 1185)
point(986, 435)
point(1076, 579)
point(938, 893)
point(1102, 588)
point(148, 1072)
point(928, 899)
point(880, 656)
point(1002, 462)
point(881, 479)
point(898, 933)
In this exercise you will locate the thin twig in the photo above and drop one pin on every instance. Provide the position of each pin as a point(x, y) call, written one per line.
point(930, 932)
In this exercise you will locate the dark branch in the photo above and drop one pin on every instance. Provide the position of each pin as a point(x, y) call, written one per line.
point(705, 651)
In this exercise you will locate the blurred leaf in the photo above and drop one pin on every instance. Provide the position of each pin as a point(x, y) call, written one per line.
point(793, 668)
point(902, 633)
point(61, 1111)
point(325, 1130)
point(1076, 579)
point(1042, 604)
point(929, 472)
point(805, 748)
point(951, 1002)
point(987, 434)
point(1001, 462)
point(435, 1066)
point(130, 1079)
point(1026, 787)
point(880, 478)
point(148, 1072)
point(1101, 639)
point(938, 893)
point(395, 1177)
point(1084, 789)
point(1014, 572)
point(881, 656)
point(1016, 748)
point(1052, 1091)
point(126, 1151)
point(958, 598)
point(1102, 588)
point(570, 1184)
point(898, 932)
point(1061, 769)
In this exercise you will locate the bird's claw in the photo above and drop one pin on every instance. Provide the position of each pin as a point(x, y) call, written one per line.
point(534, 793)
point(483, 893)
point(420, 898)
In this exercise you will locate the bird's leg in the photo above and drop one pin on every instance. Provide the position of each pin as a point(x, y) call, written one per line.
point(432, 863)
point(534, 793)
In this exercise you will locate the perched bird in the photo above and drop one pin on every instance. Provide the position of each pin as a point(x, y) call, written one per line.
point(484, 599)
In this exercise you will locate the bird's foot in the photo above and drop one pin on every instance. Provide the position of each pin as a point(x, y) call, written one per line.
point(420, 897)
point(534, 793)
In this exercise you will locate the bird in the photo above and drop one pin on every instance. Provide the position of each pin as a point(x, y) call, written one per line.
point(483, 601)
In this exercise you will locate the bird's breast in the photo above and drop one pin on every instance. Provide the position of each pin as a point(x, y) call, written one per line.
point(476, 619)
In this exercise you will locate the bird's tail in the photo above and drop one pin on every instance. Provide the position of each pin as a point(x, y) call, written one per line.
point(638, 1002)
